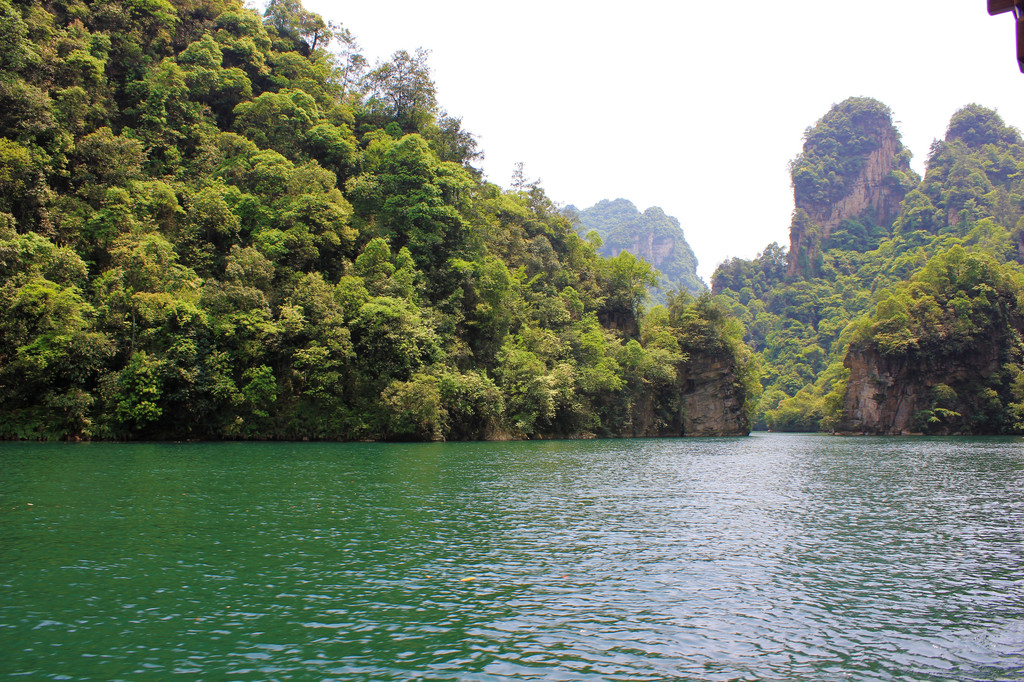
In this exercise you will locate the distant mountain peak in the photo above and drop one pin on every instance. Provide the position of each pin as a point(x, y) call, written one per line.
point(651, 235)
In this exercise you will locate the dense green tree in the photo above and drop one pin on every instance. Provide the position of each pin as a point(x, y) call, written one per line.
point(627, 280)
point(212, 226)
point(977, 126)
point(938, 290)
point(304, 30)
point(402, 90)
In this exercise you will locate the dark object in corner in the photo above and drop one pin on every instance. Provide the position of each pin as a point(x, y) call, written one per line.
point(1020, 41)
point(1001, 6)
point(1017, 7)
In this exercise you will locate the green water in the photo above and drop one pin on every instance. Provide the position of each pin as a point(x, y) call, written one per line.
point(769, 557)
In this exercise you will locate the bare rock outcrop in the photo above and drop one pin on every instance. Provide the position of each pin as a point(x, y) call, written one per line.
point(712, 400)
point(896, 395)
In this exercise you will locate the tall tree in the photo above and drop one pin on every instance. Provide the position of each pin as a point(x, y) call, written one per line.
point(402, 89)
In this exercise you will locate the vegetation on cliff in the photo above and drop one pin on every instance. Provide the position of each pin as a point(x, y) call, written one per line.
point(848, 183)
point(950, 343)
point(213, 227)
point(937, 284)
point(652, 235)
point(216, 224)
point(836, 150)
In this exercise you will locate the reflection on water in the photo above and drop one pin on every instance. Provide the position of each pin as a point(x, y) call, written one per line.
point(770, 557)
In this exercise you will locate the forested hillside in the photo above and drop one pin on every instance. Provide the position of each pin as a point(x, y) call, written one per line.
point(653, 235)
point(897, 308)
point(217, 224)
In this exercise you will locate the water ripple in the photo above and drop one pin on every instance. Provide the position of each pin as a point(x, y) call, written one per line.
point(768, 558)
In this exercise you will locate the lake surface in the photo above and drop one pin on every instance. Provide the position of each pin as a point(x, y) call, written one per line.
point(774, 557)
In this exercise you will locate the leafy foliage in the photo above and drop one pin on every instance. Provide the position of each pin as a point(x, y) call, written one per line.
point(943, 287)
point(835, 149)
point(211, 226)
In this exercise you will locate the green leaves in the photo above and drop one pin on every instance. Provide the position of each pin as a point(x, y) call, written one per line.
point(392, 340)
point(403, 90)
point(194, 243)
point(414, 409)
point(306, 30)
point(278, 120)
point(835, 149)
point(977, 126)
point(15, 51)
point(139, 391)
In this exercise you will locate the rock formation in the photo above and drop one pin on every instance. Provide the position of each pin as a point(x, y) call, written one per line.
point(712, 400)
point(880, 398)
point(711, 405)
point(853, 167)
point(871, 194)
point(908, 394)
point(654, 247)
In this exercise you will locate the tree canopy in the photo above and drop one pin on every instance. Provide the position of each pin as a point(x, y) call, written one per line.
point(216, 224)
point(938, 289)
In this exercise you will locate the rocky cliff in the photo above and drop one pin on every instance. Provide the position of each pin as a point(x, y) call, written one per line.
point(882, 395)
point(942, 353)
point(848, 182)
point(711, 405)
point(654, 247)
point(871, 194)
point(712, 400)
point(908, 394)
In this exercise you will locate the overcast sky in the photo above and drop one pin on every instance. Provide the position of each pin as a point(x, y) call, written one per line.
point(696, 107)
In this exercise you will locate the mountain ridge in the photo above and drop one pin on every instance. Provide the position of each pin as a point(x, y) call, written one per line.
point(652, 235)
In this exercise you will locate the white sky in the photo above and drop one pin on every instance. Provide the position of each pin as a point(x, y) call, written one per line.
point(696, 107)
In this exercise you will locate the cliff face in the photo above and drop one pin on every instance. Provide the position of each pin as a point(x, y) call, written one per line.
point(710, 404)
point(654, 247)
point(899, 395)
point(712, 400)
point(870, 195)
point(881, 396)
point(851, 168)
